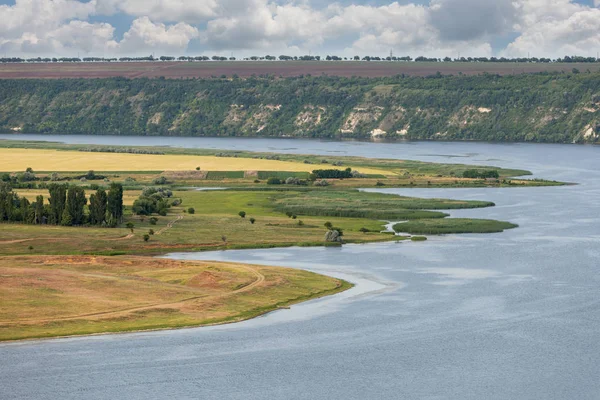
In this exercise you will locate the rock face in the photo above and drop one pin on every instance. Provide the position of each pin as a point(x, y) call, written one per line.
point(333, 236)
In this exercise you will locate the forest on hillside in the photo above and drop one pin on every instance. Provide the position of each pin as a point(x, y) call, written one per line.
point(544, 107)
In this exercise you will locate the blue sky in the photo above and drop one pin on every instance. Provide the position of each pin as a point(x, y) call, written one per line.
point(547, 28)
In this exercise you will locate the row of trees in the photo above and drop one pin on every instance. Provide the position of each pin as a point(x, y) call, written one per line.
point(477, 174)
point(65, 206)
point(566, 59)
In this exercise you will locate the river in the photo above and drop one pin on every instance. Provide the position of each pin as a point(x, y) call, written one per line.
point(514, 315)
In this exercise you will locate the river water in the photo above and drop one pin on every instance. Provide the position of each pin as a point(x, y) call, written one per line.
point(514, 315)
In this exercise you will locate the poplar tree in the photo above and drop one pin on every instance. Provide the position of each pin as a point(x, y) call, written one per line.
point(57, 200)
point(114, 205)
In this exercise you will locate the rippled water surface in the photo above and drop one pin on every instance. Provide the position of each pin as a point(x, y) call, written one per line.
point(514, 315)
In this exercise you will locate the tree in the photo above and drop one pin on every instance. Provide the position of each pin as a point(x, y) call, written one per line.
point(76, 200)
point(252, 220)
point(146, 237)
point(130, 226)
point(242, 214)
point(114, 207)
point(191, 210)
point(57, 200)
point(328, 225)
point(98, 202)
point(66, 219)
point(39, 209)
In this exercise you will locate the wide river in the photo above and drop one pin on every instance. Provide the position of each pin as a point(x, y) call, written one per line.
point(505, 316)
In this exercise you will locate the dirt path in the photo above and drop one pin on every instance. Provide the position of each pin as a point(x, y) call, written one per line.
point(169, 225)
point(15, 241)
point(260, 278)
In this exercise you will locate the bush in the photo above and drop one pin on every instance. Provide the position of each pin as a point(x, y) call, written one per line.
point(191, 210)
point(153, 220)
point(418, 238)
point(151, 232)
point(146, 237)
point(197, 168)
point(242, 214)
point(273, 181)
point(161, 180)
point(321, 183)
point(379, 184)
point(328, 225)
point(130, 226)
point(364, 230)
point(252, 220)
point(300, 223)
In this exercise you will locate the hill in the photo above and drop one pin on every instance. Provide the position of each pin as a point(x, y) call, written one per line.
point(545, 107)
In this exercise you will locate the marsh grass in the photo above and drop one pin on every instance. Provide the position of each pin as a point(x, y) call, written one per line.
point(453, 225)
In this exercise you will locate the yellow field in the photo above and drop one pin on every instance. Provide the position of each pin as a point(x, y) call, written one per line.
point(66, 161)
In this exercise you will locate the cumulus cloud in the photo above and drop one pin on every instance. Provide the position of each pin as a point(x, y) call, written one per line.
point(575, 34)
point(440, 28)
point(145, 35)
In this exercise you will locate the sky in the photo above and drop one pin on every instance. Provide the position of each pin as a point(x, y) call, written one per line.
point(242, 28)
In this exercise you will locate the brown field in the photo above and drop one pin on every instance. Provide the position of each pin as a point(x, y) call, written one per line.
point(208, 69)
point(46, 296)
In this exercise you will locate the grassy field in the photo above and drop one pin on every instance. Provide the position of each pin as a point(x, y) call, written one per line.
point(12, 160)
point(45, 296)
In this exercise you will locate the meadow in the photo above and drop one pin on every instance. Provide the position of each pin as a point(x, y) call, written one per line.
point(48, 296)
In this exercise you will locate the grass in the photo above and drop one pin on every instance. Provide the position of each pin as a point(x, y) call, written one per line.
point(453, 225)
point(48, 296)
point(369, 205)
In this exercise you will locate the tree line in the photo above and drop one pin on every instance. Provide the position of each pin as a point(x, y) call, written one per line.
point(545, 60)
point(65, 206)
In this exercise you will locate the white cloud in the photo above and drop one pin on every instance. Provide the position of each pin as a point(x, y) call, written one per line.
point(577, 35)
point(443, 27)
point(162, 10)
point(147, 36)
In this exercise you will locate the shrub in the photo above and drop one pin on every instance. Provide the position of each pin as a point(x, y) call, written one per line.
point(418, 238)
point(242, 214)
point(294, 216)
point(197, 168)
point(273, 181)
point(256, 181)
point(161, 180)
point(379, 184)
point(328, 225)
point(153, 221)
point(146, 237)
point(252, 220)
point(364, 230)
point(151, 232)
point(321, 183)
point(130, 226)
point(191, 210)
point(289, 214)
point(300, 223)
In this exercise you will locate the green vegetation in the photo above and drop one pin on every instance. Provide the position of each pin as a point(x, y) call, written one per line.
point(355, 204)
point(545, 107)
point(65, 206)
point(453, 225)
